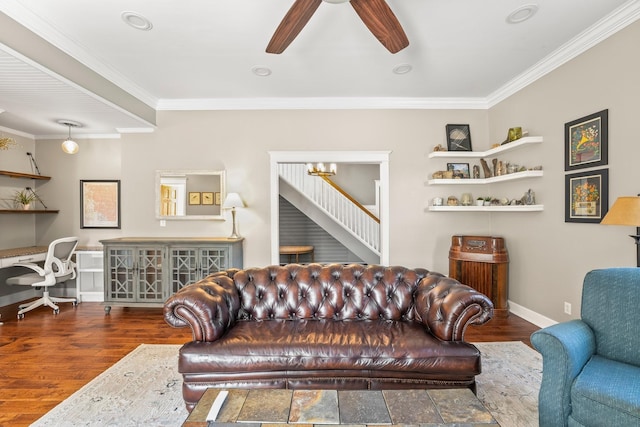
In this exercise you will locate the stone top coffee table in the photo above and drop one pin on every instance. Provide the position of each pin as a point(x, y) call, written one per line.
point(306, 408)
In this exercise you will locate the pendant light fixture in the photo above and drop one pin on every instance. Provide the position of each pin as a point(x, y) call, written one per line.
point(69, 146)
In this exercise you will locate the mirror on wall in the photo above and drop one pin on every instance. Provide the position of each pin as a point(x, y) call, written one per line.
point(189, 194)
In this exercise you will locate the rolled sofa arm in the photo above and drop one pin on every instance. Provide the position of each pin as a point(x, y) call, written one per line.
point(565, 348)
point(446, 307)
point(209, 306)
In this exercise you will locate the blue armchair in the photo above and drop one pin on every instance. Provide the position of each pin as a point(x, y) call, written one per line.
point(591, 366)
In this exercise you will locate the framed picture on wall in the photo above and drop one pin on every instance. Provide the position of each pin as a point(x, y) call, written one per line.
point(458, 138)
point(194, 197)
point(207, 198)
point(586, 196)
point(586, 141)
point(99, 204)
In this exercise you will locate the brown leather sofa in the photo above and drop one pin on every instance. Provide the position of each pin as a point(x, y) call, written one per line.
point(327, 327)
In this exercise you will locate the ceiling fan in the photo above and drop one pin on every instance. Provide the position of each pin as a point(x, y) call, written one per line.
point(376, 15)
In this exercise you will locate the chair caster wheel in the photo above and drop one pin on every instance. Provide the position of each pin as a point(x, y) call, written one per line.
point(20, 316)
point(56, 311)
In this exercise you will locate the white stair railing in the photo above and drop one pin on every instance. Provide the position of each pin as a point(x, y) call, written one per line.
point(352, 216)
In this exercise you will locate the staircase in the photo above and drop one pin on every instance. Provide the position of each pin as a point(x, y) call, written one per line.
point(333, 209)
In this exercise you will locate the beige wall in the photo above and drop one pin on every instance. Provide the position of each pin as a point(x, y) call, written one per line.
point(16, 230)
point(548, 257)
point(239, 142)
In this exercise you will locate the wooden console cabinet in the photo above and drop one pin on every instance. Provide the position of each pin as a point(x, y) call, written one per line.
point(145, 271)
point(482, 262)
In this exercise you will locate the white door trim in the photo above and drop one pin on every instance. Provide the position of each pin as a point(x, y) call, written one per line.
point(366, 157)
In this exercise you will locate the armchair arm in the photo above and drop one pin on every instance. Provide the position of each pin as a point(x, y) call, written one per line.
point(446, 307)
point(48, 278)
point(32, 266)
point(565, 348)
point(209, 307)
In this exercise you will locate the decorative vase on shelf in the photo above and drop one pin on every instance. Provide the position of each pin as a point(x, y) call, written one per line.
point(26, 206)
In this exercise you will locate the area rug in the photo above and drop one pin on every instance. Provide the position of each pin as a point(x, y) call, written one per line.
point(145, 389)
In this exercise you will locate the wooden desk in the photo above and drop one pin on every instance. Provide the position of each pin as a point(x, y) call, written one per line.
point(297, 251)
point(9, 257)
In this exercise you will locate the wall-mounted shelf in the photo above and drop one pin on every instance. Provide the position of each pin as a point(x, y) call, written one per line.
point(493, 179)
point(24, 175)
point(522, 142)
point(509, 208)
point(28, 211)
point(489, 153)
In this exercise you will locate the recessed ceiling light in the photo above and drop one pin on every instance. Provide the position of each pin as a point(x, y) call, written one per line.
point(522, 13)
point(136, 21)
point(261, 71)
point(402, 68)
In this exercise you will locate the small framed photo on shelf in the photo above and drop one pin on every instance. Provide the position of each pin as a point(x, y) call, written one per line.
point(460, 170)
point(194, 197)
point(586, 196)
point(458, 138)
point(586, 141)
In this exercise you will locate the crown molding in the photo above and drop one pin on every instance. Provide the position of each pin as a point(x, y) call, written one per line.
point(322, 104)
point(135, 130)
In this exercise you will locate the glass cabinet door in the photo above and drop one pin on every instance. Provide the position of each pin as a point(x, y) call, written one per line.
point(120, 274)
point(149, 268)
point(184, 267)
point(213, 260)
point(188, 265)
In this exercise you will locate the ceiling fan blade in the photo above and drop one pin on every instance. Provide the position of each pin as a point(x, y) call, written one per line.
point(379, 18)
point(292, 23)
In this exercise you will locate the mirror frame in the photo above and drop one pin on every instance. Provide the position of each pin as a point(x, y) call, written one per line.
point(223, 194)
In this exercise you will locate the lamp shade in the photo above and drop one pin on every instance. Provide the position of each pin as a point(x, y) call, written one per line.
point(625, 211)
point(233, 200)
point(69, 146)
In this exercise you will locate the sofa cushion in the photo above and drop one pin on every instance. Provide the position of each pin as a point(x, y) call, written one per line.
point(281, 345)
point(606, 393)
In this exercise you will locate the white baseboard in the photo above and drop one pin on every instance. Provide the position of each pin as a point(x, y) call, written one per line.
point(530, 315)
point(91, 297)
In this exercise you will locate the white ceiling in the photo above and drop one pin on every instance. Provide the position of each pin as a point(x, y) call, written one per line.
point(200, 54)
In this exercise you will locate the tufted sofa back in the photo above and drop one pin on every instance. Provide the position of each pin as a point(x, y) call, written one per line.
point(336, 291)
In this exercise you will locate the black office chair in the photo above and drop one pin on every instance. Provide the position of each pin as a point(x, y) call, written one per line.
point(58, 267)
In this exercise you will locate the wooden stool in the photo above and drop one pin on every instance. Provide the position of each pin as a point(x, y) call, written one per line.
point(297, 251)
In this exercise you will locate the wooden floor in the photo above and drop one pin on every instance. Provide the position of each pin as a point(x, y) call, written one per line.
point(45, 358)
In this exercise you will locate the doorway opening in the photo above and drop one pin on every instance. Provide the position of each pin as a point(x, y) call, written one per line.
point(380, 158)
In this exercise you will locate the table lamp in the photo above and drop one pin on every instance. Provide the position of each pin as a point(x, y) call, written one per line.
point(626, 211)
point(233, 201)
